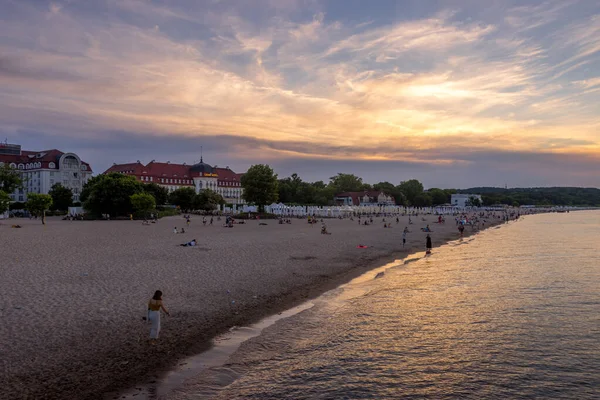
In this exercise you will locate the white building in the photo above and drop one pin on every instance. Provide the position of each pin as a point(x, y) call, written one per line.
point(199, 176)
point(40, 170)
point(462, 200)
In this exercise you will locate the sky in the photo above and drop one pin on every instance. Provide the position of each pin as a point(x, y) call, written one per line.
point(453, 93)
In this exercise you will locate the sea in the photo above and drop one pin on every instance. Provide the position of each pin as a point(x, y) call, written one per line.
point(510, 313)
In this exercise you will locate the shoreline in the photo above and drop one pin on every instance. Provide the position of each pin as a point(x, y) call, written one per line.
point(301, 296)
point(117, 369)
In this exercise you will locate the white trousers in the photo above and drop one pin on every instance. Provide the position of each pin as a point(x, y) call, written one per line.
point(154, 318)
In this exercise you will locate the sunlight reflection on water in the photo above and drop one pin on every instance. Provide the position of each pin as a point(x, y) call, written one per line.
point(514, 313)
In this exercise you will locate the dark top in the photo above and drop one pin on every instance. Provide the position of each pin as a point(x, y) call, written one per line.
point(428, 242)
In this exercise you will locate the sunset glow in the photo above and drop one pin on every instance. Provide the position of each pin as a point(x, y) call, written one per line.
point(354, 86)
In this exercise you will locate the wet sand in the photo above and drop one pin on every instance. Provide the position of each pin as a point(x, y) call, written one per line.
point(74, 292)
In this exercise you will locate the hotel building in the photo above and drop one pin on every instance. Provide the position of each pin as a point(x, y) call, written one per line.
point(40, 170)
point(199, 176)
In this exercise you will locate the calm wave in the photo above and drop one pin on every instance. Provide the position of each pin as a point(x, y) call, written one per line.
point(511, 313)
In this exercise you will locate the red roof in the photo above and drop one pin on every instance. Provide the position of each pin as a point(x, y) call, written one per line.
point(169, 170)
point(45, 157)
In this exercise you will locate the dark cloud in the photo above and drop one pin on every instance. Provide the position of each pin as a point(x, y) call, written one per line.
point(472, 168)
point(19, 68)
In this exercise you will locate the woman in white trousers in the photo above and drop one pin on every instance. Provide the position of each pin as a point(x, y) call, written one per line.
point(154, 306)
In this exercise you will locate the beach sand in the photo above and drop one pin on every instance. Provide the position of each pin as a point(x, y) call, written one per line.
point(73, 293)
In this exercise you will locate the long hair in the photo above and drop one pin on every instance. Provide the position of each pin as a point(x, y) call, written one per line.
point(157, 295)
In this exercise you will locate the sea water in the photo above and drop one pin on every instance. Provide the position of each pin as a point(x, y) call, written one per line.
point(511, 313)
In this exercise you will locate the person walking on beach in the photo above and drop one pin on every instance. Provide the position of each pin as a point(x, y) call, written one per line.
point(154, 306)
point(428, 244)
point(404, 237)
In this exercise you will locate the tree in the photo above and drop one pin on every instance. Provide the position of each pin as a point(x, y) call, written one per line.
point(260, 185)
point(473, 202)
point(438, 196)
point(208, 200)
point(62, 197)
point(160, 194)
point(183, 198)
point(384, 187)
point(4, 201)
point(411, 189)
point(110, 194)
point(422, 200)
point(346, 183)
point(10, 179)
point(37, 204)
point(143, 203)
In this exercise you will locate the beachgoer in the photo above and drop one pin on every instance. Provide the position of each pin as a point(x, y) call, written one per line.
point(204, 220)
point(154, 306)
point(175, 230)
point(428, 244)
point(211, 221)
point(190, 243)
point(404, 237)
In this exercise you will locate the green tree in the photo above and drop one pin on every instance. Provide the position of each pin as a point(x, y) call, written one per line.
point(62, 197)
point(411, 189)
point(384, 187)
point(143, 203)
point(183, 198)
point(473, 202)
point(10, 179)
point(37, 204)
point(422, 200)
point(438, 196)
point(110, 194)
point(260, 185)
point(4, 201)
point(160, 194)
point(208, 200)
point(346, 183)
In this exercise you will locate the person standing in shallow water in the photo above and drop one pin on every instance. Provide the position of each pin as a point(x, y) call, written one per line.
point(428, 244)
point(154, 306)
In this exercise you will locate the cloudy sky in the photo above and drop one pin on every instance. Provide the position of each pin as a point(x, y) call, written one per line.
point(454, 93)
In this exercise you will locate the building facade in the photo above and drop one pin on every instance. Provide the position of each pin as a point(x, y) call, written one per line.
point(462, 200)
point(40, 170)
point(199, 176)
point(366, 198)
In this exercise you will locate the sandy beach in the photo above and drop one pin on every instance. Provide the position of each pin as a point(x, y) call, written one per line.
point(74, 292)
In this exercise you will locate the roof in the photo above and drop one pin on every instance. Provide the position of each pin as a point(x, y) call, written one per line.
point(169, 170)
point(356, 196)
point(227, 175)
point(202, 168)
point(44, 156)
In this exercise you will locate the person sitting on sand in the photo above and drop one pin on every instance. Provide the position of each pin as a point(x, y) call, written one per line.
point(154, 306)
point(145, 222)
point(426, 229)
point(182, 230)
point(175, 230)
point(189, 244)
point(16, 226)
point(324, 230)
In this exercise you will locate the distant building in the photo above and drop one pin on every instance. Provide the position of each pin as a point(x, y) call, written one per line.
point(199, 176)
point(40, 170)
point(462, 200)
point(364, 198)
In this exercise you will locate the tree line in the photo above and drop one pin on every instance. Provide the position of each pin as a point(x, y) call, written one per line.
point(118, 194)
